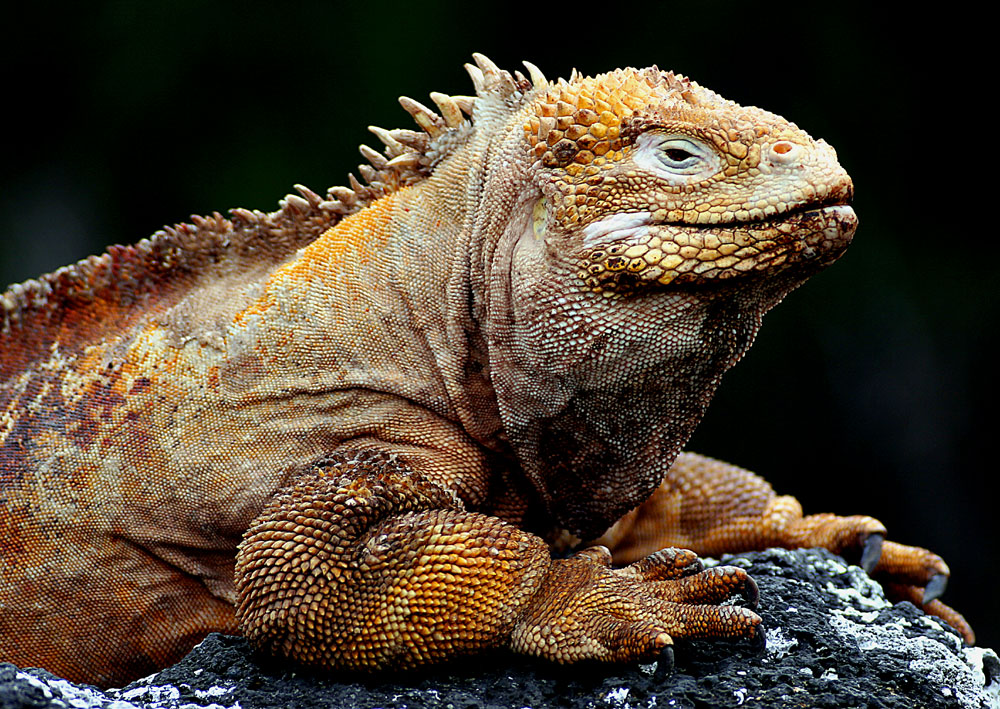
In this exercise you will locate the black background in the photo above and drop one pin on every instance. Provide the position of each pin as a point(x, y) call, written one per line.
point(868, 391)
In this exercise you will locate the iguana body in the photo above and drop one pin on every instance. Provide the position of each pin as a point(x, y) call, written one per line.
point(405, 392)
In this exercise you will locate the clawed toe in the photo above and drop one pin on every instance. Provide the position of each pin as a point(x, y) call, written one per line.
point(620, 639)
point(665, 564)
point(910, 565)
point(715, 585)
point(916, 595)
point(714, 622)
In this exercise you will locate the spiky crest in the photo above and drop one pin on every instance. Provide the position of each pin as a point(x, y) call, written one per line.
point(103, 294)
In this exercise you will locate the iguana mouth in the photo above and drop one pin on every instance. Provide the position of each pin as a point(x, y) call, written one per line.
point(643, 253)
point(819, 205)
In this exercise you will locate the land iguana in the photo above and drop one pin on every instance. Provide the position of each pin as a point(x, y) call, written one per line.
point(416, 398)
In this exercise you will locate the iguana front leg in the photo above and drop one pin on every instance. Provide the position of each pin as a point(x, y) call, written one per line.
point(363, 564)
point(712, 508)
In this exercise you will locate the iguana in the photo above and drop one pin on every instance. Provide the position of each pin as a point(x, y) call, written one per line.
point(412, 397)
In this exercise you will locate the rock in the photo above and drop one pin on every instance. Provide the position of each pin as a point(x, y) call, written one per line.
point(832, 640)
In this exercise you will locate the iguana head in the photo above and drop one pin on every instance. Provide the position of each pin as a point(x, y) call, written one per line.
point(632, 230)
point(652, 180)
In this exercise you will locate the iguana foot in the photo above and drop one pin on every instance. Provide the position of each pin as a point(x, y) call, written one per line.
point(584, 609)
point(714, 507)
point(919, 576)
point(906, 573)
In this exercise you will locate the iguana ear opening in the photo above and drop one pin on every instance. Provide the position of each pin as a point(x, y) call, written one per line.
point(540, 218)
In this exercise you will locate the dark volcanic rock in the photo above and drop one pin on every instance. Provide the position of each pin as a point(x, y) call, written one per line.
point(832, 641)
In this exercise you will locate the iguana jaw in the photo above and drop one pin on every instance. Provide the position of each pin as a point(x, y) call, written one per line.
point(631, 252)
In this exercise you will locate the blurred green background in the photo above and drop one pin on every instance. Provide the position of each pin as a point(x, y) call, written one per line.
point(869, 391)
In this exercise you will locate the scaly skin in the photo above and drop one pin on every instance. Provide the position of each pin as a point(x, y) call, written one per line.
point(404, 392)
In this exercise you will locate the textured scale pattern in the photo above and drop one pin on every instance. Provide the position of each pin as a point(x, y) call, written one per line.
point(355, 429)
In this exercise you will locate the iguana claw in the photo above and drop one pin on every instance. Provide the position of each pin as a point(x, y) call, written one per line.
point(750, 593)
point(935, 587)
point(871, 552)
point(665, 662)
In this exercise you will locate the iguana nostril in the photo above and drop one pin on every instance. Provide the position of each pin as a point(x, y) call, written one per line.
point(784, 152)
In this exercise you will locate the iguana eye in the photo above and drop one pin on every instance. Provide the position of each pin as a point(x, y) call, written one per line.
point(677, 158)
point(678, 155)
point(685, 156)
